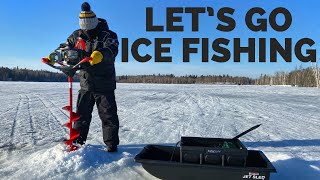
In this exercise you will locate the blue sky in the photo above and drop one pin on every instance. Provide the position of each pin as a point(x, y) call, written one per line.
point(32, 29)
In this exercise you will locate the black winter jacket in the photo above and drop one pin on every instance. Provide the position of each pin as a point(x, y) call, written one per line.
point(100, 77)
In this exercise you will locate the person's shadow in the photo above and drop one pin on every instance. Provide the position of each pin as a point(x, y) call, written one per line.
point(293, 168)
point(296, 168)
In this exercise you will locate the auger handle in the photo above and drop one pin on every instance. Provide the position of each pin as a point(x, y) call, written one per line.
point(47, 61)
point(87, 59)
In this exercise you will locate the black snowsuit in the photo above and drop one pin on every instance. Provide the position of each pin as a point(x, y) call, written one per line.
point(98, 83)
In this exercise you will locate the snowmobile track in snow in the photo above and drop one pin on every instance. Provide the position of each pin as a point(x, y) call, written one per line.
point(32, 118)
point(51, 114)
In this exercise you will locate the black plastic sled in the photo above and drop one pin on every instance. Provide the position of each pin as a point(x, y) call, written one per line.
point(206, 158)
point(157, 161)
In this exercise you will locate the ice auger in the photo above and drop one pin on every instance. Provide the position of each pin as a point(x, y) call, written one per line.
point(73, 117)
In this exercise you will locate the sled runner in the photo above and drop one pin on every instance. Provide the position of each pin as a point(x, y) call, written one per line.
point(206, 158)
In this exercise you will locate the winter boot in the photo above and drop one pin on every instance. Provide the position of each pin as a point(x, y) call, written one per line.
point(112, 148)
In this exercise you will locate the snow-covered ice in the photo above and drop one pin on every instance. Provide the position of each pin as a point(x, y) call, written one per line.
point(31, 131)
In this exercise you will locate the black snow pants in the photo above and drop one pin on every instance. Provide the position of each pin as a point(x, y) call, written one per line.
point(107, 110)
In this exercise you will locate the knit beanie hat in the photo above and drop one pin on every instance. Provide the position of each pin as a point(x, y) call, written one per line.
point(87, 18)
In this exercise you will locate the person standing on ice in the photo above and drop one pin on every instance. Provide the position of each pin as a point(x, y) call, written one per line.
point(97, 77)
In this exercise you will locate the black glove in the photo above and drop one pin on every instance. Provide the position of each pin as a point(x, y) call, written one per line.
point(74, 56)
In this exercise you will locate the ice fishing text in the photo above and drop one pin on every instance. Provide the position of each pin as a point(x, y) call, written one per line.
point(220, 49)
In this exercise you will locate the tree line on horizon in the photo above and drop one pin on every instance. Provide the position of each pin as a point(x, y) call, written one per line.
point(187, 79)
point(23, 74)
point(302, 77)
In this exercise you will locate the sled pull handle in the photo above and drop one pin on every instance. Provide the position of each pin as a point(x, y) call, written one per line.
point(245, 132)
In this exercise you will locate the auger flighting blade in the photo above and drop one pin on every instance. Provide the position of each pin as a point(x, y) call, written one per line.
point(73, 117)
point(73, 133)
point(68, 125)
point(73, 136)
point(67, 108)
point(71, 146)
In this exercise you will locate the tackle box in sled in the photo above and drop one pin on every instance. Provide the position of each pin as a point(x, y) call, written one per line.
point(206, 158)
point(216, 151)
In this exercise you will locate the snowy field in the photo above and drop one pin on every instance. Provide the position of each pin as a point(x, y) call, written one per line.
point(31, 131)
